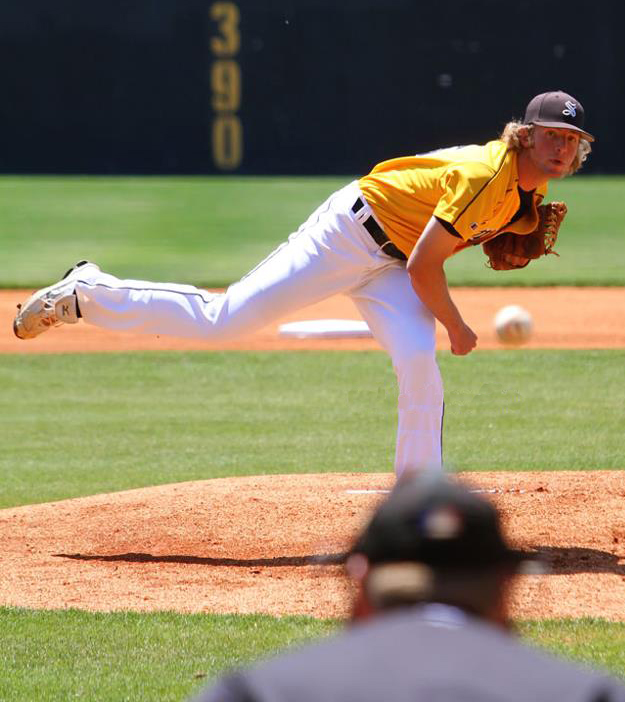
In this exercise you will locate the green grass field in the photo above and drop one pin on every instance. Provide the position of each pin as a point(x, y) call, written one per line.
point(169, 656)
point(102, 422)
point(48, 655)
point(75, 424)
point(210, 231)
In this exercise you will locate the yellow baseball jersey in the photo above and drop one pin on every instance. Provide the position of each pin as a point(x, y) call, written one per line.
point(473, 188)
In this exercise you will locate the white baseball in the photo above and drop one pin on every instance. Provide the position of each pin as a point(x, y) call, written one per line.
point(513, 325)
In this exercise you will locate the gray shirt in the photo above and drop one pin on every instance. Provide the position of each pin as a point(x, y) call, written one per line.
point(431, 653)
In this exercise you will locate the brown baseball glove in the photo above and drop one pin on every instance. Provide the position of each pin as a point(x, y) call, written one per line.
point(508, 251)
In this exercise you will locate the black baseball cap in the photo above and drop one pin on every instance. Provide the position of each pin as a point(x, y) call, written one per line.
point(557, 109)
point(439, 523)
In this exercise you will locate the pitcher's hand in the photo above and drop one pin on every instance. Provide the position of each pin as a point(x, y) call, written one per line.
point(462, 339)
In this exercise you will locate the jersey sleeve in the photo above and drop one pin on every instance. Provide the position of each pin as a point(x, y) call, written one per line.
point(448, 227)
point(465, 201)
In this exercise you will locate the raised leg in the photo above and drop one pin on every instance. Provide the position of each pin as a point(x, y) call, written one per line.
point(329, 253)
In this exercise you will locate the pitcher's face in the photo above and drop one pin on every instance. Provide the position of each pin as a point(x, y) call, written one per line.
point(554, 150)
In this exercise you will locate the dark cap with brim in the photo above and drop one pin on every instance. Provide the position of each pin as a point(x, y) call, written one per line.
point(559, 110)
point(439, 523)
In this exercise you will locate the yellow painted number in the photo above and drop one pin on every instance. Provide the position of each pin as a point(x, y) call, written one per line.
point(227, 16)
point(227, 142)
point(226, 86)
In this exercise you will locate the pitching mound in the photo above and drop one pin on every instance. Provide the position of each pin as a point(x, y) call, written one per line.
point(273, 544)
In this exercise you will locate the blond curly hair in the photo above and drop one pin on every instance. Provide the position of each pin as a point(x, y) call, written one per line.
point(511, 136)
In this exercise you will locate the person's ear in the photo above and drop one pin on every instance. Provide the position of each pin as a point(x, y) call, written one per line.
point(525, 137)
point(357, 567)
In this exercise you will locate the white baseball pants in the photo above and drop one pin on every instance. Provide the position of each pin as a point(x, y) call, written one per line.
point(330, 253)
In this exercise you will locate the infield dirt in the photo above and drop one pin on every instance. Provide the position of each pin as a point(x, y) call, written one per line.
point(579, 318)
point(273, 543)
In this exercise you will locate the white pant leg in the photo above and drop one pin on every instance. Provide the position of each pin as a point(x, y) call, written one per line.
point(406, 329)
point(330, 252)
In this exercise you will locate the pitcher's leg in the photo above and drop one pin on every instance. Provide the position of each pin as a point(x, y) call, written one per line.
point(142, 306)
point(406, 329)
point(326, 255)
point(420, 414)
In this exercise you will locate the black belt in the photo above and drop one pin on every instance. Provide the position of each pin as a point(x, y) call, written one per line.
point(377, 233)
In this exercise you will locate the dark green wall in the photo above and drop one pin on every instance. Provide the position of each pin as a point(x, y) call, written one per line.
point(138, 86)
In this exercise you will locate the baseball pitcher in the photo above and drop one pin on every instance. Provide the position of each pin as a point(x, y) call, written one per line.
point(383, 240)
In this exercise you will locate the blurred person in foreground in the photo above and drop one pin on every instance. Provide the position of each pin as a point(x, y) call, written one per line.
point(430, 618)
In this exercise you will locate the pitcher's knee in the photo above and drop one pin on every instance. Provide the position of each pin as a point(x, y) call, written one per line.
point(415, 364)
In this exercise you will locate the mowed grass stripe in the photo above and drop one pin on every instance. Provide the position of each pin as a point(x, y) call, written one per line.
point(185, 229)
point(77, 424)
point(212, 230)
point(62, 655)
point(593, 641)
point(52, 655)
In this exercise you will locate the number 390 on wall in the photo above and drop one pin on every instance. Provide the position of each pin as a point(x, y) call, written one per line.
point(225, 86)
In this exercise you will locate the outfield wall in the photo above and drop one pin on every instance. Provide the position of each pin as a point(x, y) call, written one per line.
point(291, 86)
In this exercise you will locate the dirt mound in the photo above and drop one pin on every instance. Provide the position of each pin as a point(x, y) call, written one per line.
point(273, 544)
